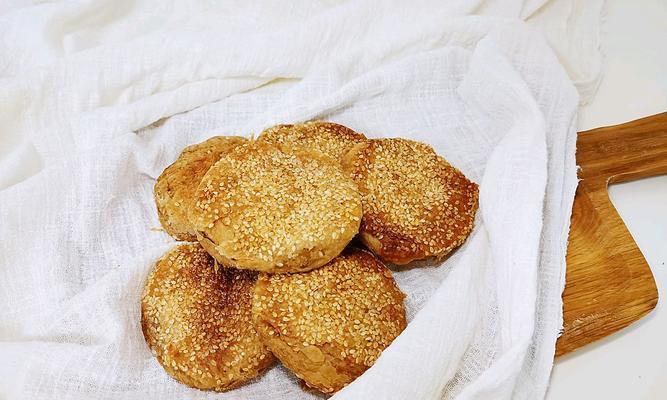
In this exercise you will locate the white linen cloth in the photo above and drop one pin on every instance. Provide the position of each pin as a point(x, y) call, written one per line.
point(105, 94)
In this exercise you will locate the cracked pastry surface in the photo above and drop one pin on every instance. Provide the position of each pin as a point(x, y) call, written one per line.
point(329, 325)
point(274, 210)
point(196, 319)
point(416, 205)
point(329, 138)
point(175, 187)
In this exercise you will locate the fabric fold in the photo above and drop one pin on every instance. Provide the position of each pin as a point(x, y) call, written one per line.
point(109, 93)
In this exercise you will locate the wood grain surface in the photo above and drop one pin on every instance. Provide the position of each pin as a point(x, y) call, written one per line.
point(609, 285)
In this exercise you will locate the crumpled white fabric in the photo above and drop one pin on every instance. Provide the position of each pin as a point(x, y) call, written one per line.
point(100, 96)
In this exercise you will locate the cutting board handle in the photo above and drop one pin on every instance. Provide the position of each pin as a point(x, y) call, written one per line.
point(620, 153)
point(609, 285)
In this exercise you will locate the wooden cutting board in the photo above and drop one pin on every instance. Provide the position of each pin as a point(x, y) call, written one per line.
point(609, 285)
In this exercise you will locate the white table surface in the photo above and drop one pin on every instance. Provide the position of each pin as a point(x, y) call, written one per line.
point(631, 364)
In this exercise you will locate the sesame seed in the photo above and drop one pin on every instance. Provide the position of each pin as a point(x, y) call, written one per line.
point(329, 138)
point(175, 187)
point(283, 206)
point(415, 203)
point(309, 317)
point(196, 318)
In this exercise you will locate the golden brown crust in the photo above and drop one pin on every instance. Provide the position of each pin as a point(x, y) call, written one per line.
point(416, 205)
point(329, 138)
point(176, 185)
point(196, 319)
point(273, 210)
point(329, 325)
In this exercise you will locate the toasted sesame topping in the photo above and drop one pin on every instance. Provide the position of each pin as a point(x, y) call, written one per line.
point(175, 187)
point(198, 320)
point(278, 210)
point(329, 138)
point(415, 204)
point(342, 315)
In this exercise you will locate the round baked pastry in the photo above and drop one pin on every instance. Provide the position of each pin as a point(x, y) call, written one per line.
point(415, 204)
point(329, 325)
point(196, 318)
point(176, 185)
point(272, 210)
point(329, 138)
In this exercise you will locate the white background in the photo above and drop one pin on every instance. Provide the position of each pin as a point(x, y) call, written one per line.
point(631, 364)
